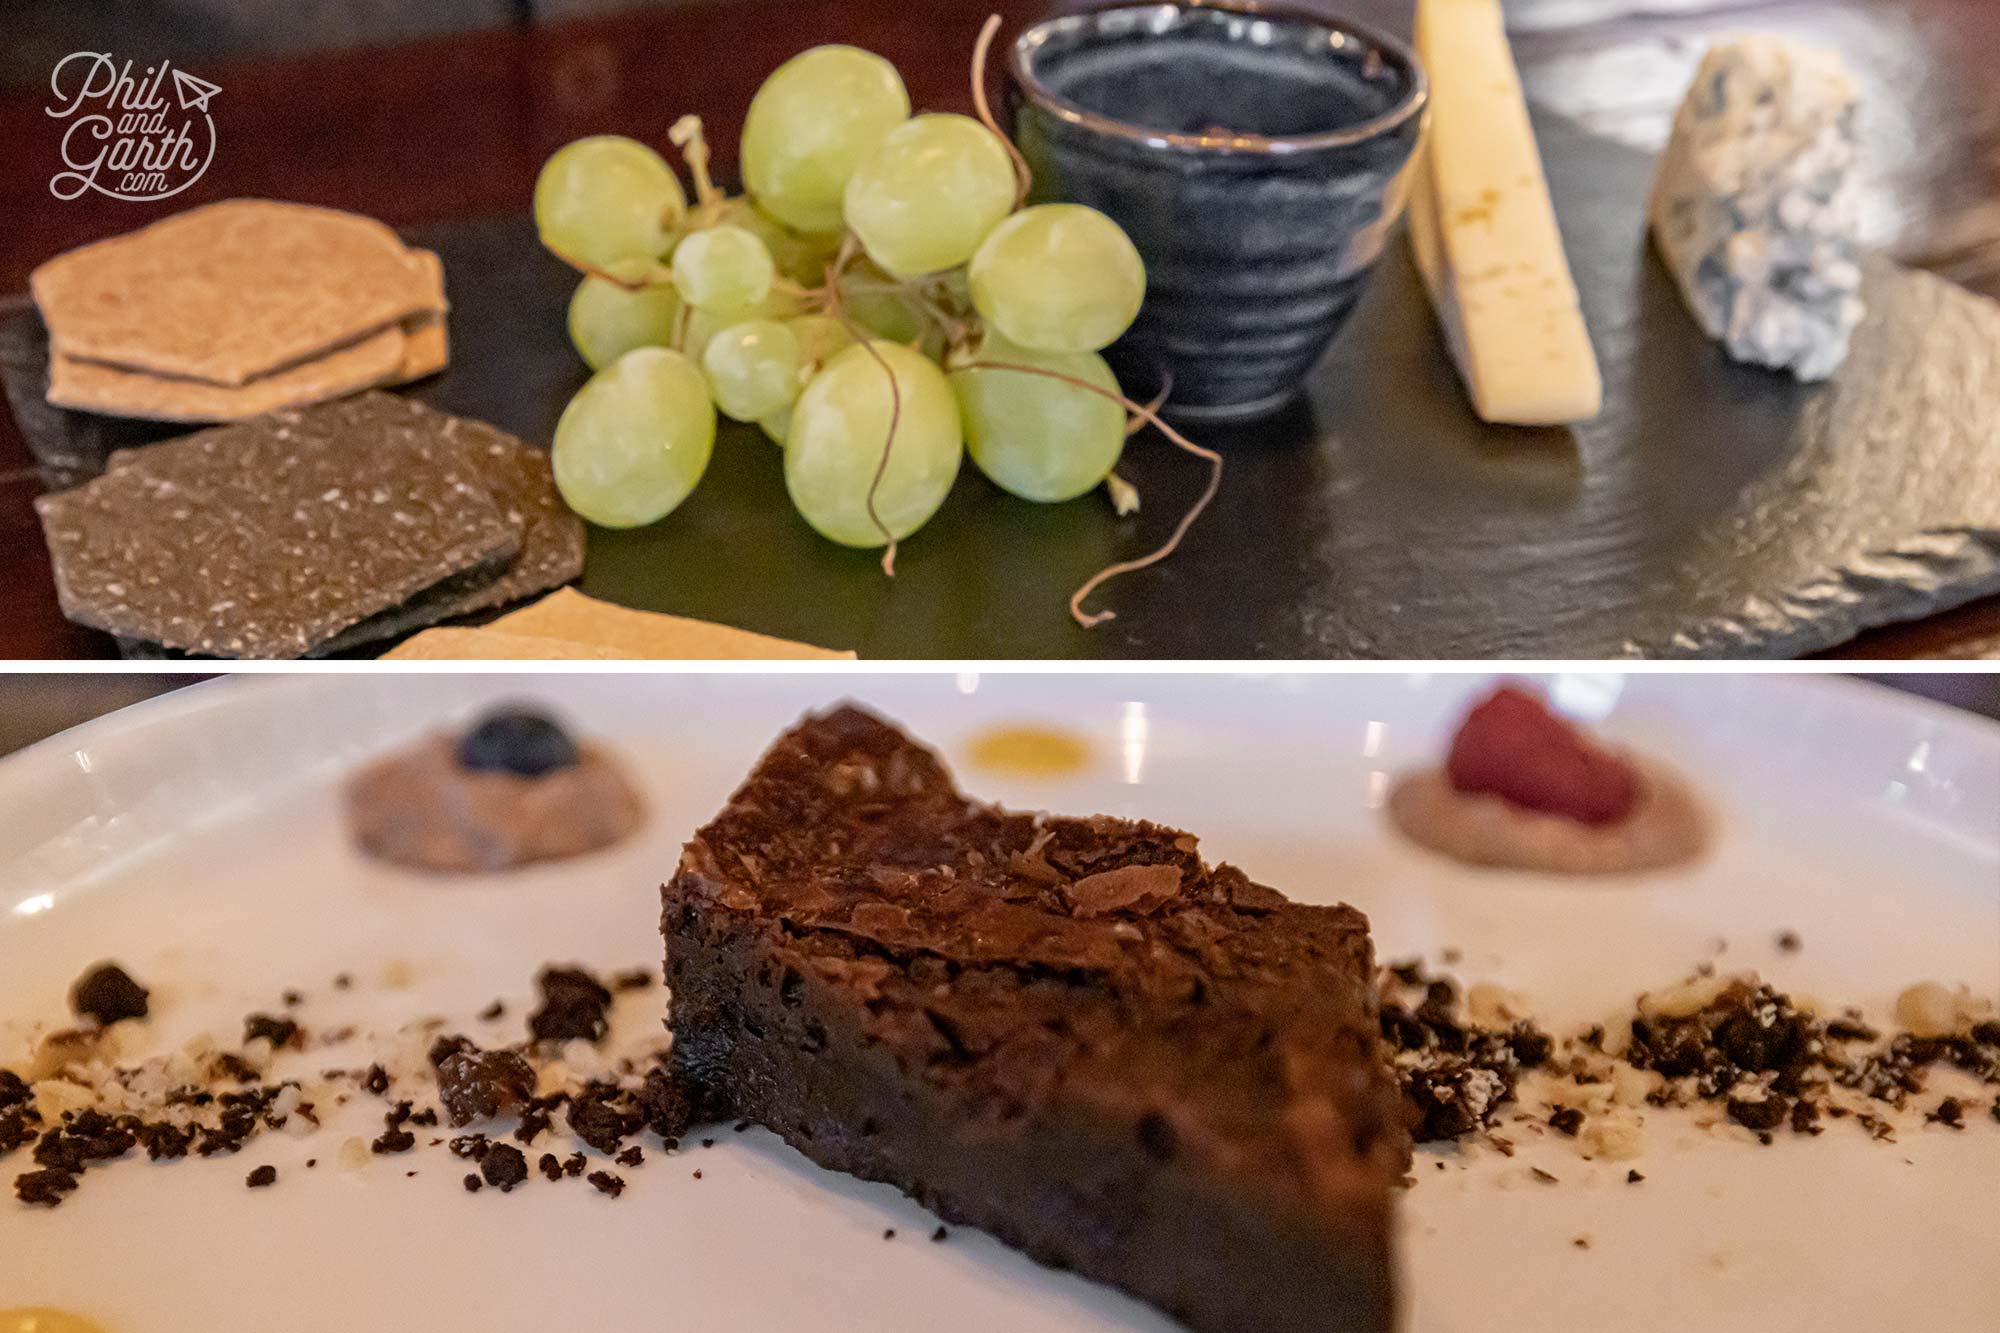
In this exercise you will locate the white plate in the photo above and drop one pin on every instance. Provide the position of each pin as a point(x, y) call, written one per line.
point(194, 838)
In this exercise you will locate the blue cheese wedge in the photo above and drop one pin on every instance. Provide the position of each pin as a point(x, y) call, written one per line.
point(1755, 206)
point(1484, 230)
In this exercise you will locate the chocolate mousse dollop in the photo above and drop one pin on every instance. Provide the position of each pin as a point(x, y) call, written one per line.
point(1525, 789)
point(513, 789)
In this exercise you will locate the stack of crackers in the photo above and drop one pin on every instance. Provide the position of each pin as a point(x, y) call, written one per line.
point(306, 532)
point(239, 308)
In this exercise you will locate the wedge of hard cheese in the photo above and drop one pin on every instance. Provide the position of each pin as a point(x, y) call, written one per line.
point(1484, 230)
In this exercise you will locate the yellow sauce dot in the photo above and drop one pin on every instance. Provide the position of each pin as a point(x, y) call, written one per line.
point(1040, 751)
point(41, 1320)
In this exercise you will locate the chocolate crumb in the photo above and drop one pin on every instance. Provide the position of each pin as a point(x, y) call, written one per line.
point(1545, 1177)
point(311, 1162)
point(607, 1183)
point(262, 1176)
point(635, 978)
point(1581, 1242)
point(293, 998)
point(708, 1143)
point(940, 1236)
point(889, 1233)
point(45, 1187)
point(343, 981)
point(1950, 1112)
point(475, 1084)
point(574, 1163)
point(1566, 1120)
point(473, 1183)
point(632, 1156)
point(1788, 941)
point(1760, 1113)
point(393, 1140)
point(503, 1167)
point(492, 1011)
point(742, 1125)
point(573, 1006)
point(596, 1118)
point(550, 1168)
point(107, 994)
point(697, 1173)
point(376, 1080)
point(1633, 1177)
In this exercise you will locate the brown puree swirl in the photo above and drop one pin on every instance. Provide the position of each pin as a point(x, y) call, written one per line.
point(423, 809)
point(1667, 826)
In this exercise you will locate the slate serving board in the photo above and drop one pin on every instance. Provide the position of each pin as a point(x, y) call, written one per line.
point(1712, 511)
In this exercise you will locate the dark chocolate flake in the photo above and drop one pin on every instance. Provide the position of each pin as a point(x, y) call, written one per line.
point(261, 1177)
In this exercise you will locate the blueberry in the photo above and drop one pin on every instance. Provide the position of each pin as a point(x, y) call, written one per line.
point(517, 739)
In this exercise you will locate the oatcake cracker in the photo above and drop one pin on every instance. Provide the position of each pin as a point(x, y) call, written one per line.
point(93, 386)
point(570, 616)
point(269, 537)
point(395, 355)
point(230, 291)
point(426, 346)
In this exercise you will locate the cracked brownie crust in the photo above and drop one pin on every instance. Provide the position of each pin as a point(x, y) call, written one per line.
point(1069, 1032)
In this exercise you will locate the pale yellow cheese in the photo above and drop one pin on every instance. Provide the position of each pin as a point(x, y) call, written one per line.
point(1484, 232)
point(568, 626)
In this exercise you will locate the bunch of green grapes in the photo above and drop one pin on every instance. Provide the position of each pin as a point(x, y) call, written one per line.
point(878, 302)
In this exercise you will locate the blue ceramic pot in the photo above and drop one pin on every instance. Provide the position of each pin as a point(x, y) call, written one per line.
point(1255, 156)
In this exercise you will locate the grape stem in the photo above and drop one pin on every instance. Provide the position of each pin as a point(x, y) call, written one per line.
point(835, 308)
point(980, 49)
point(1150, 416)
point(686, 135)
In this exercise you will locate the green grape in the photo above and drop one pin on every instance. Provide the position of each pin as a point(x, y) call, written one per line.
point(776, 426)
point(606, 320)
point(699, 326)
point(1037, 437)
point(1058, 278)
point(820, 337)
point(634, 441)
point(810, 125)
point(608, 200)
point(753, 368)
point(723, 270)
point(800, 256)
point(839, 427)
point(929, 194)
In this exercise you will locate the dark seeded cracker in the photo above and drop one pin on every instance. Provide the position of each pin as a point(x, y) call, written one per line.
point(267, 538)
point(519, 478)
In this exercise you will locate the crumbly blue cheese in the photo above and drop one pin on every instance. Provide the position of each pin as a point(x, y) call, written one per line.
point(1755, 206)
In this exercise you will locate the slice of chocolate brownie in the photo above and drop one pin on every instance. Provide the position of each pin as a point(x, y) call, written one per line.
point(1069, 1032)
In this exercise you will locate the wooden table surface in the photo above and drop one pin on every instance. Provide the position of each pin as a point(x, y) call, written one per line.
point(458, 126)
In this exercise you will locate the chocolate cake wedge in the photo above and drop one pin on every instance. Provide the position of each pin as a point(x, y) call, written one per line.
point(1071, 1033)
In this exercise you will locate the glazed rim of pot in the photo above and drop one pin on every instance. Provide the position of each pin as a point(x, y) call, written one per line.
point(1028, 46)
